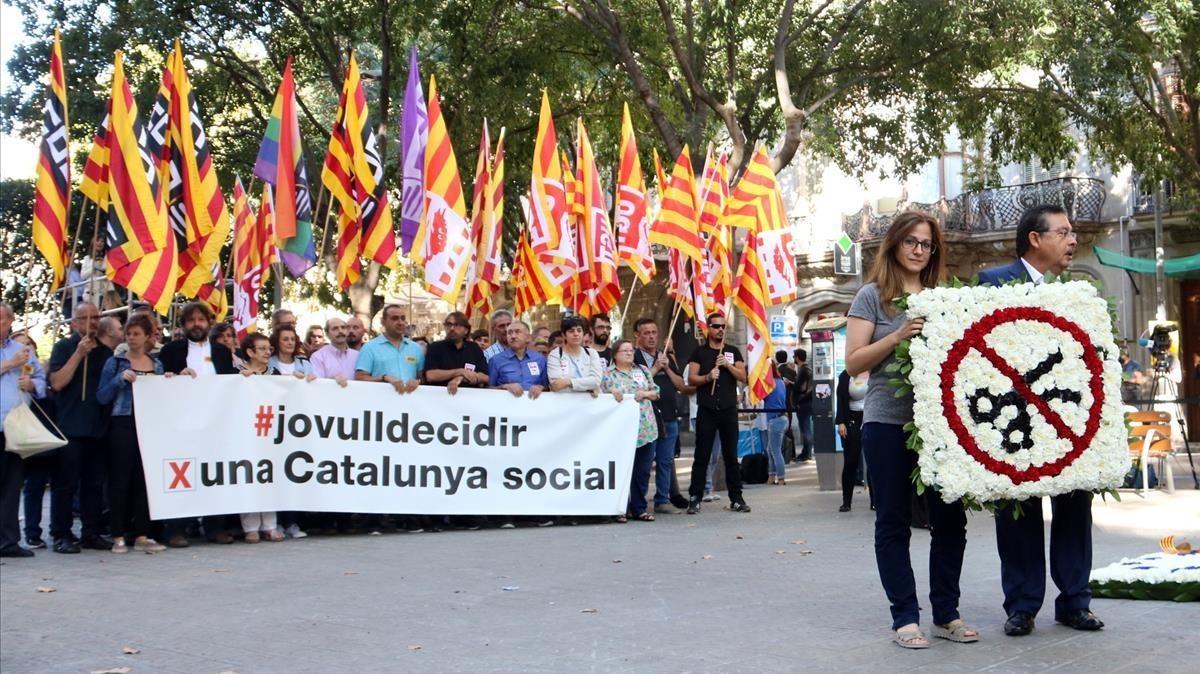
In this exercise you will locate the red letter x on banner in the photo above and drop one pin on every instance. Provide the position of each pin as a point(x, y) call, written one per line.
point(180, 476)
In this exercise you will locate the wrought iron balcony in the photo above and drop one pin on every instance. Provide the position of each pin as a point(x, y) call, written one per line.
point(992, 209)
point(1144, 199)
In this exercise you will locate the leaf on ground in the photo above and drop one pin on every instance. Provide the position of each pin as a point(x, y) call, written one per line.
point(511, 588)
point(739, 537)
point(131, 650)
point(48, 578)
point(44, 589)
point(589, 610)
point(706, 557)
point(349, 573)
point(692, 525)
point(113, 670)
point(781, 552)
point(804, 552)
point(415, 647)
point(798, 542)
point(220, 570)
point(616, 561)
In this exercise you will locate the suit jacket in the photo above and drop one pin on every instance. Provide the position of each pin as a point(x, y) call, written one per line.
point(997, 276)
point(174, 357)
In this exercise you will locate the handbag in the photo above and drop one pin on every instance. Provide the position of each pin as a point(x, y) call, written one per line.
point(27, 433)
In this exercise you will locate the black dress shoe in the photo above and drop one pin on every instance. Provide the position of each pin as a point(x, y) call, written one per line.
point(1018, 624)
point(1083, 620)
point(35, 543)
point(96, 543)
point(66, 546)
point(16, 551)
point(679, 501)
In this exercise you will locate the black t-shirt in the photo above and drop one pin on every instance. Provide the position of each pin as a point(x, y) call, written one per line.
point(605, 355)
point(725, 396)
point(79, 414)
point(802, 391)
point(441, 355)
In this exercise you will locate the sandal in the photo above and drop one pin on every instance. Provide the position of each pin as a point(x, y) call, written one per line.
point(644, 517)
point(910, 636)
point(957, 631)
point(620, 519)
point(252, 537)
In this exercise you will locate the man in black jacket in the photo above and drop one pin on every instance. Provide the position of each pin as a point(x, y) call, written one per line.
point(666, 372)
point(802, 393)
point(198, 356)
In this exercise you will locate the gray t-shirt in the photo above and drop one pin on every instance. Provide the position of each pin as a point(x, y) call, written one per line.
point(881, 406)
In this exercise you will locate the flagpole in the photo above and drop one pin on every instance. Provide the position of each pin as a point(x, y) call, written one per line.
point(678, 308)
point(629, 299)
point(78, 229)
point(317, 210)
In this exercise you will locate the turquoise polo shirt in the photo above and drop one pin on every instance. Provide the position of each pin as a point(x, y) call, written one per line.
point(380, 358)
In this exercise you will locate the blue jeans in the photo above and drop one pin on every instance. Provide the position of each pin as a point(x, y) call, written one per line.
point(804, 438)
point(664, 462)
point(892, 465)
point(643, 458)
point(775, 429)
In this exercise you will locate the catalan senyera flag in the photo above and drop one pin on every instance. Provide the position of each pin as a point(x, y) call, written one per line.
point(281, 163)
point(52, 198)
point(714, 193)
point(531, 288)
point(195, 205)
point(247, 264)
point(574, 294)
point(755, 203)
point(718, 268)
point(679, 285)
point(142, 254)
point(341, 177)
point(483, 274)
point(750, 297)
point(443, 242)
point(598, 259)
point(549, 229)
point(265, 234)
point(213, 294)
point(678, 222)
point(94, 185)
point(701, 296)
point(631, 212)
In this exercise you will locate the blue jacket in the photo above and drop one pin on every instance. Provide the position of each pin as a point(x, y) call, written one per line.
point(113, 389)
point(997, 276)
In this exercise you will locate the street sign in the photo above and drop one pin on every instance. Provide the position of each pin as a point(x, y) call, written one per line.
point(845, 256)
point(785, 330)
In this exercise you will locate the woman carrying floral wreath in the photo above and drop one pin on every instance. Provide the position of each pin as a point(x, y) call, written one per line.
point(910, 260)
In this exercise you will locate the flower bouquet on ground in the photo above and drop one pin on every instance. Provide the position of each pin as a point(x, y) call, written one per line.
point(1017, 392)
point(1170, 575)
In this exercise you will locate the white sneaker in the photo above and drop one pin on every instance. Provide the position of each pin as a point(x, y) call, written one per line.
point(294, 531)
point(709, 498)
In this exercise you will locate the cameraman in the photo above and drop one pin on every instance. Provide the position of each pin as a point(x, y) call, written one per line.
point(1132, 378)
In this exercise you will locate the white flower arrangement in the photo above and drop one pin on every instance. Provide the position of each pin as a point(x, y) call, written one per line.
point(1159, 575)
point(1017, 391)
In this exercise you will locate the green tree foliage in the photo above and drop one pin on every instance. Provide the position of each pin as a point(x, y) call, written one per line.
point(1125, 75)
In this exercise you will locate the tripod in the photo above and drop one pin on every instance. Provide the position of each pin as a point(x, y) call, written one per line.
point(1166, 385)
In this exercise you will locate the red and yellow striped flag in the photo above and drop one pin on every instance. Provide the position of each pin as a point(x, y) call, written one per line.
point(678, 223)
point(52, 198)
point(531, 288)
point(750, 297)
point(338, 177)
point(631, 213)
point(550, 232)
point(94, 185)
point(714, 193)
point(597, 259)
point(483, 274)
point(141, 249)
point(443, 241)
point(756, 204)
point(247, 264)
point(195, 205)
point(718, 268)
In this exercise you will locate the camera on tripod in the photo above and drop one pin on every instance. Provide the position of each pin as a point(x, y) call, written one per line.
point(1159, 343)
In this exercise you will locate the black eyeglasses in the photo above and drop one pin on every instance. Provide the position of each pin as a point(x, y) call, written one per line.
point(912, 244)
point(717, 326)
point(452, 324)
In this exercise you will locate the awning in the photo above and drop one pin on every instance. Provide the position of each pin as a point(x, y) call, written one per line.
point(1178, 266)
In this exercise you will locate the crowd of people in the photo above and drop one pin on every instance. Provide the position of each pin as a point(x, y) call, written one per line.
point(86, 388)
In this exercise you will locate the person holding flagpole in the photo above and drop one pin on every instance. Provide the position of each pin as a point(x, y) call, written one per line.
point(715, 369)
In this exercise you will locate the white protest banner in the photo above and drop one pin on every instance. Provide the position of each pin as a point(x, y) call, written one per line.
point(234, 444)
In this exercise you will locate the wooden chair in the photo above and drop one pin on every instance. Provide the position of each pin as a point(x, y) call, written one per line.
point(1150, 438)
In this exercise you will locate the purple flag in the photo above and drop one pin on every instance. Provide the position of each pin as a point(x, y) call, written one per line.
point(414, 136)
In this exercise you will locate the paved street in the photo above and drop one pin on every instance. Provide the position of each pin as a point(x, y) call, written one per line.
point(790, 587)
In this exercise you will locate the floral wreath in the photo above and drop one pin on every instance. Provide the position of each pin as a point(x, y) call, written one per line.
point(1016, 392)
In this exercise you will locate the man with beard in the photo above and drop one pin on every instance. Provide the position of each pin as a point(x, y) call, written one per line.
point(601, 331)
point(500, 322)
point(356, 333)
point(197, 356)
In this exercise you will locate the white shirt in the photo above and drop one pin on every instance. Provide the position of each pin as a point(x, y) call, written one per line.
point(1036, 277)
point(199, 358)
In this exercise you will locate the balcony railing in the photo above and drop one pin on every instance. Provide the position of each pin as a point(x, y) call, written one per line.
point(1144, 199)
point(992, 209)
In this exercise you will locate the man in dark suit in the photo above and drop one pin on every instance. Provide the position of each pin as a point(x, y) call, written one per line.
point(1045, 245)
point(198, 356)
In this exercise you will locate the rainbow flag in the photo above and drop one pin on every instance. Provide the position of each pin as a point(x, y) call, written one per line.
point(280, 163)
